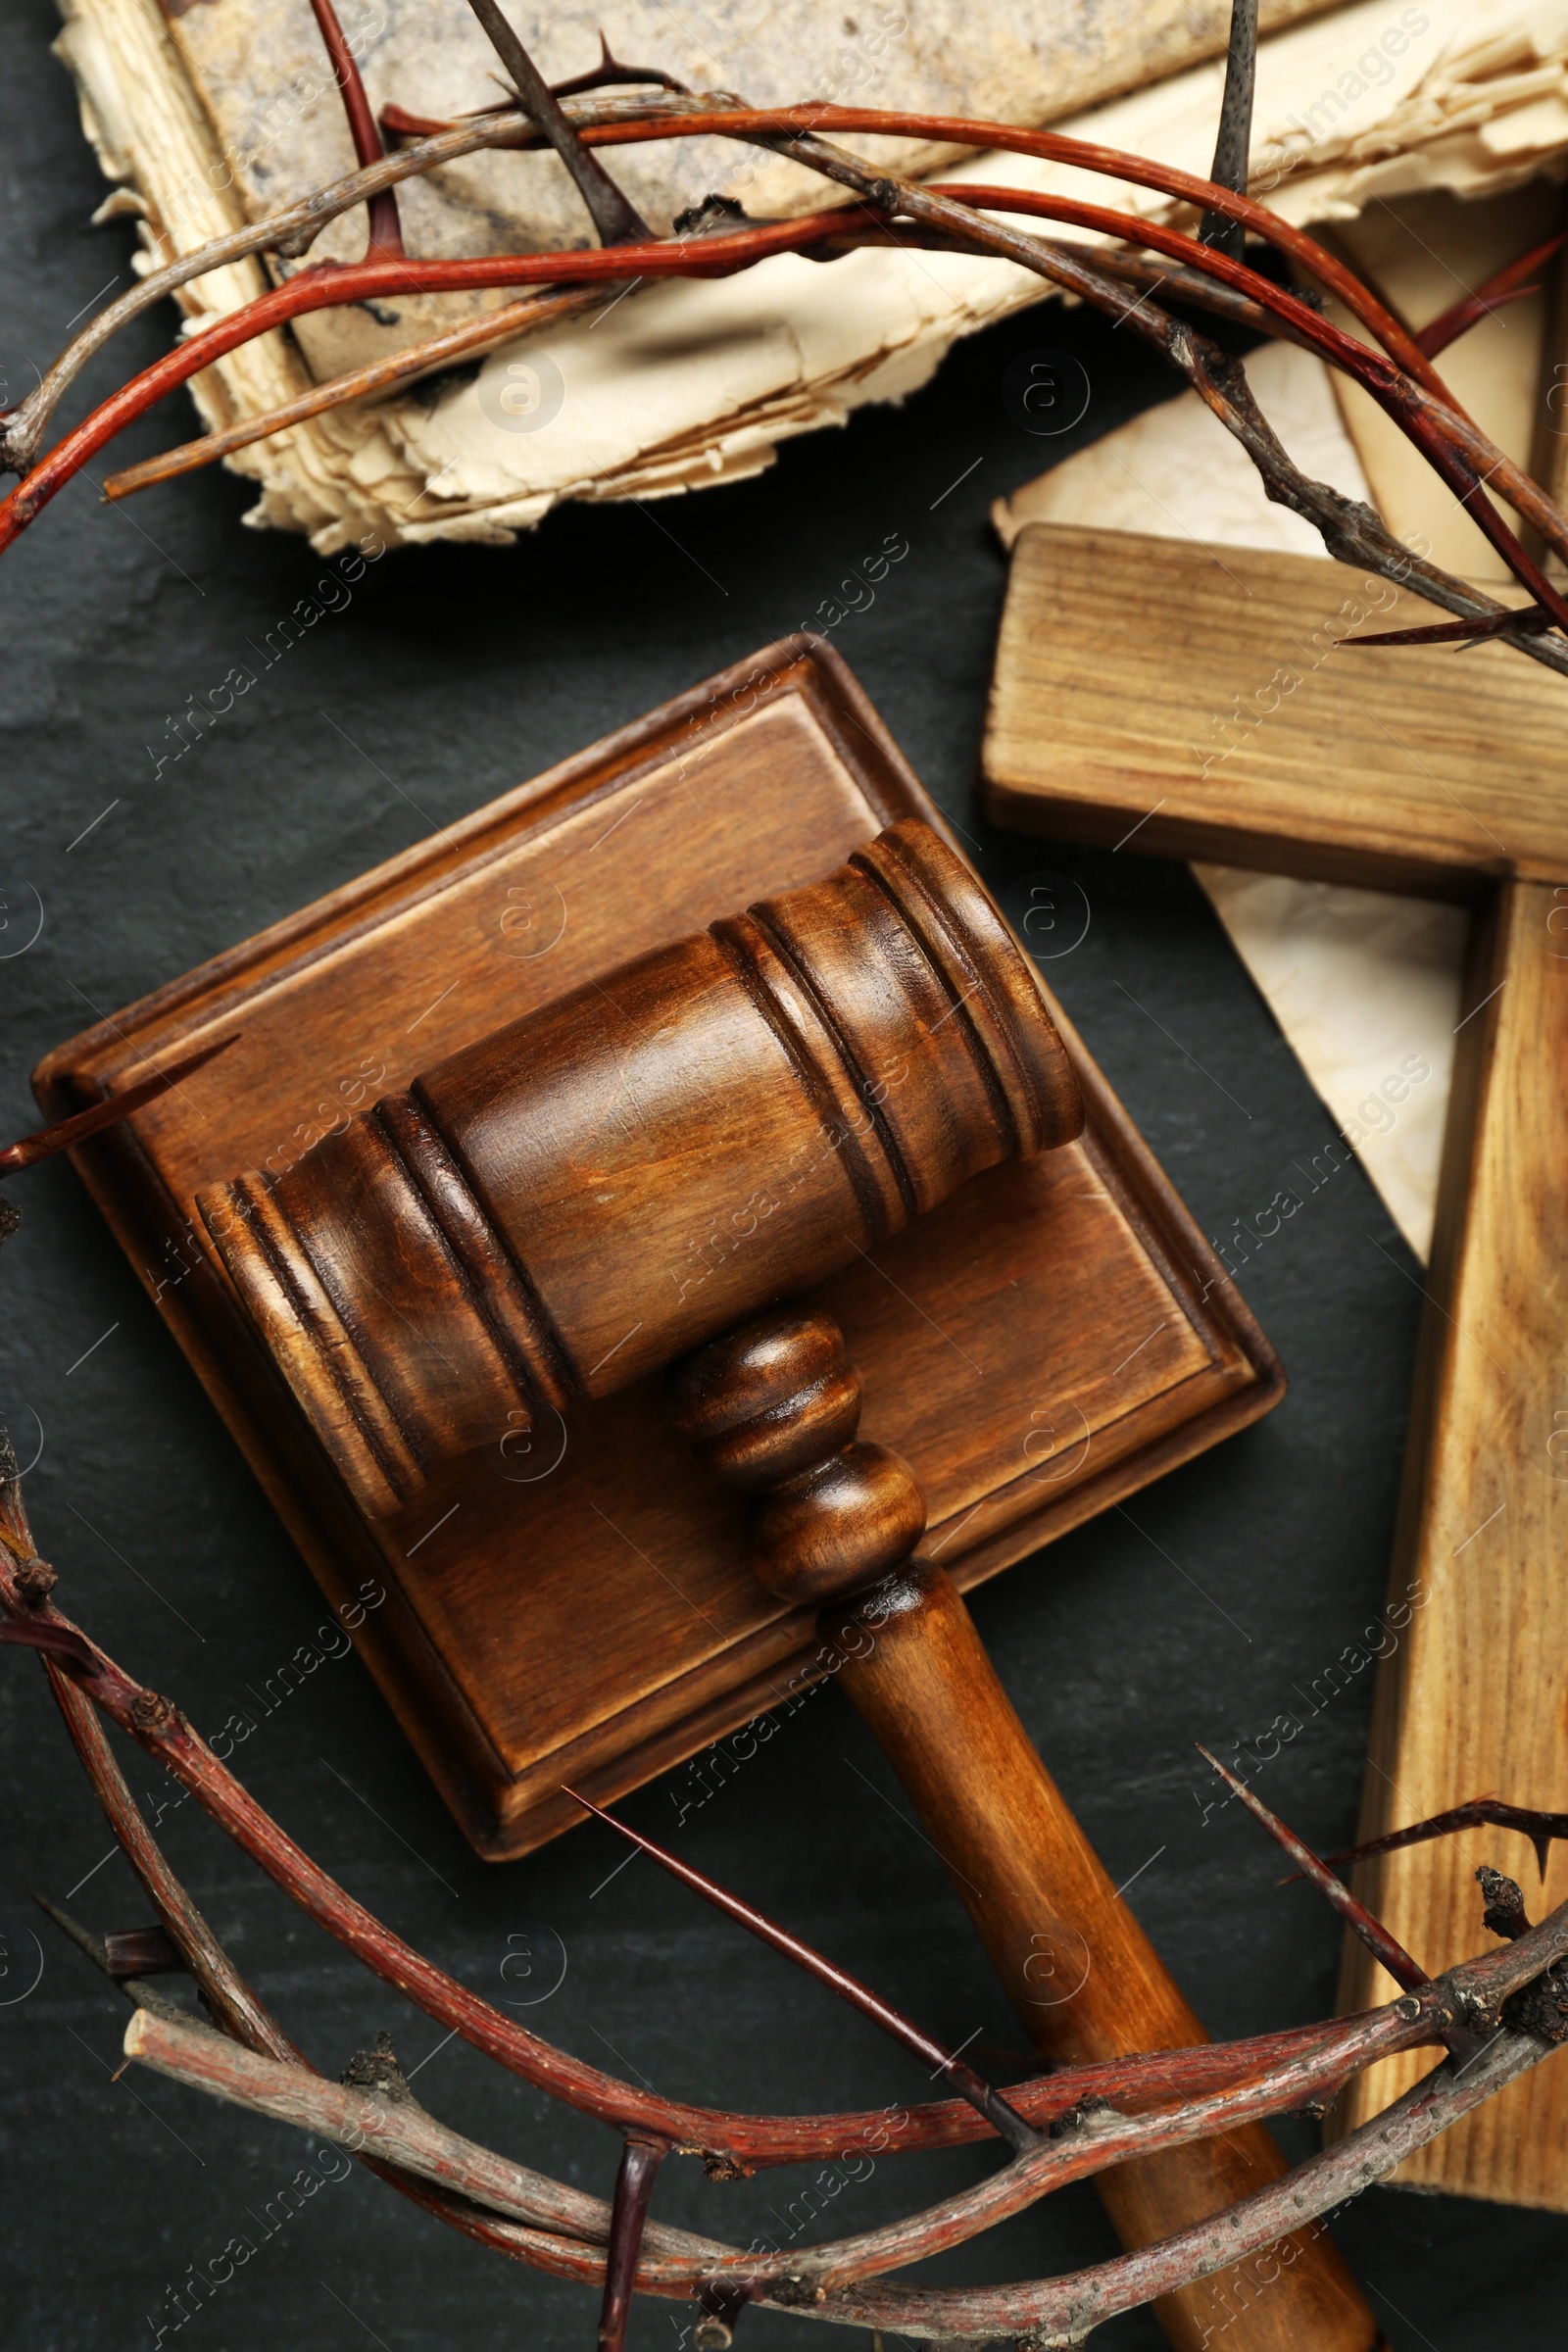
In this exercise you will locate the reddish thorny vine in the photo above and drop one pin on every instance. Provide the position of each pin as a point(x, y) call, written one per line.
point(1492, 2017)
point(720, 240)
point(1497, 2016)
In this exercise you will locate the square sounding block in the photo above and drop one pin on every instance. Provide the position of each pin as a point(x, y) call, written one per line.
point(576, 1605)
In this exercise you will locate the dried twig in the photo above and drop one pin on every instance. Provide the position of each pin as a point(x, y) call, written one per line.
point(1477, 1812)
point(1441, 433)
point(416, 2143)
point(1464, 457)
point(1061, 2311)
point(386, 229)
point(1449, 442)
point(293, 229)
point(989, 2102)
point(827, 2282)
point(66, 1134)
point(612, 212)
point(824, 2282)
point(1178, 285)
point(657, 118)
point(397, 2130)
point(164, 1731)
point(505, 325)
point(229, 1999)
point(1379, 1942)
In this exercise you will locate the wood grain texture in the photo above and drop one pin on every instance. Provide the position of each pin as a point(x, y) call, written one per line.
point(1548, 454)
point(1415, 768)
point(1042, 1344)
point(774, 1410)
point(595, 1188)
point(1084, 1977)
point(1224, 719)
point(1478, 1701)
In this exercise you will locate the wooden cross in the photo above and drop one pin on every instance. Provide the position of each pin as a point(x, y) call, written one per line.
point(1208, 706)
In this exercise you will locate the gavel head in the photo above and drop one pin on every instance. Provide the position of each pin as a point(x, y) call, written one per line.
point(609, 1181)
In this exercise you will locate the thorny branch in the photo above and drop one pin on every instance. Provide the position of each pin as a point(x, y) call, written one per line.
point(819, 2281)
point(1478, 1812)
point(731, 2141)
point(386, 230)
point(542, 2222)
point(1497, 2016)
point(1404, 384)
point(615, 217)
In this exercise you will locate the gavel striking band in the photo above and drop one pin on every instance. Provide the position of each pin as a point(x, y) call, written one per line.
point(599, 1187)
point(602, 1186)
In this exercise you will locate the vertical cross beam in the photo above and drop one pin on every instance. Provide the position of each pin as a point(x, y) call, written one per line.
point(1481, 1551)
point(1215, 710)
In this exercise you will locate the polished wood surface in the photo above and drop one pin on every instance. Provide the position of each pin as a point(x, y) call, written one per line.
point(1042, 1344)
point(1081, 1973)
point(1395, 768)
point(773, 1410)
point(564, 1205)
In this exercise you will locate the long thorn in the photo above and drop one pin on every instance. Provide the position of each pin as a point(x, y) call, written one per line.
point(1234, 142)
point(640, 2160)
point(1373, 1934)
point(66, 1134)
point(973, 2086)
point(1528, 617)
point(613, 214)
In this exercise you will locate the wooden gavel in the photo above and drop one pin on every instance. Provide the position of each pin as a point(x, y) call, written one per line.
point(602, 1186)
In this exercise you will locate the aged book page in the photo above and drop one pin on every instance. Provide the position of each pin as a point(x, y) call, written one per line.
point(1422, 254)
point(686, 386)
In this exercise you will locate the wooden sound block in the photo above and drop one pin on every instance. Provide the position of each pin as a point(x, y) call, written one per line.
point(574, 1605)
point(1219, 720)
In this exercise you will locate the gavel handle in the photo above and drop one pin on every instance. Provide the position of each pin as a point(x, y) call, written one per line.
point(774, 1409)
point(1084, 1977)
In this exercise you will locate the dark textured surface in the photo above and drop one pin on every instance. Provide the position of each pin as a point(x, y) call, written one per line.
point(1200, 1614)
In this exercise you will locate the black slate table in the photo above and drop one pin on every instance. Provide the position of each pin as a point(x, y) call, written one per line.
point(1195, 1615)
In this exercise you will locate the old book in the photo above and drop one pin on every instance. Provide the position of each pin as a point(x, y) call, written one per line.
point(225, 110)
